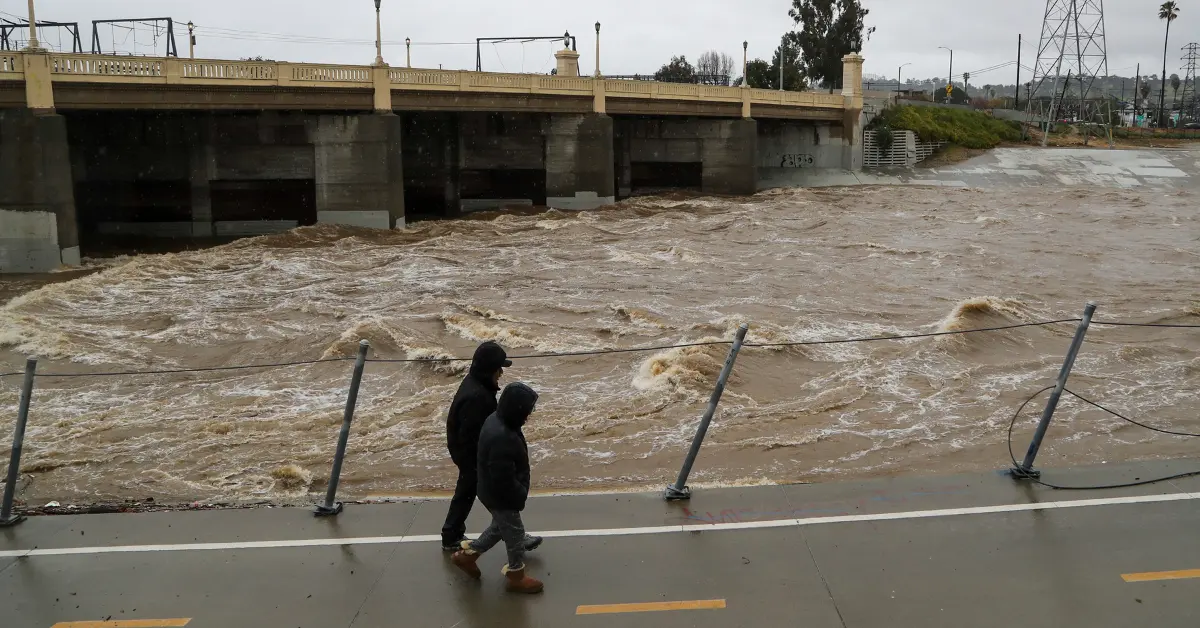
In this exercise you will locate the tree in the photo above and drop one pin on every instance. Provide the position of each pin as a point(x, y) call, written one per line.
point(1175, 85)
point(793, 70)
point(1145, 89)
point(1169, 11)
point(715, 68)
point(829, 30)
point(967, 81)
point(758, 75)
point(677, 71)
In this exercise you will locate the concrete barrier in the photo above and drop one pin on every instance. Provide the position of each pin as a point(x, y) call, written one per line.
point(29, 242)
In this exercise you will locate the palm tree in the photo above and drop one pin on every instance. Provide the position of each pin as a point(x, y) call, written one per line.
point(1169, 11)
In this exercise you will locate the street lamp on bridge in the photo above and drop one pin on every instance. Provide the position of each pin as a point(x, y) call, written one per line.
point(34, 46)
point(745, 64)
point(597, 49)
point(408, 48)
point(378, 35)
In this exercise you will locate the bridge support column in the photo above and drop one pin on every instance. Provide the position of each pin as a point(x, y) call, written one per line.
point(730, 157)
point(359, 170)
point(579, 162)
point(852, 96)
point(201, 171)
point(38, 228)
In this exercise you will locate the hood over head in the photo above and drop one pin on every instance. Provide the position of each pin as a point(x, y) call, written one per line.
point(489, 357)
point(516, 404)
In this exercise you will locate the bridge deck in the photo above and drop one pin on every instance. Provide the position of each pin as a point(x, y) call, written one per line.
point(953, 551)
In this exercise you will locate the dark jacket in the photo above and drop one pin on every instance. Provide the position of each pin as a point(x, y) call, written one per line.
point(475, 400)
point(503, 453)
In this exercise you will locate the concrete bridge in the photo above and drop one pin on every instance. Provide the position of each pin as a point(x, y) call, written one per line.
point(101, 146)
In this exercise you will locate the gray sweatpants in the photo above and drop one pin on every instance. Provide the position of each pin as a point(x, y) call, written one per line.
point(506, 526)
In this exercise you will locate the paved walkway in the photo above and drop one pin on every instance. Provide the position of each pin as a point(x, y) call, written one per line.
point(957, 551)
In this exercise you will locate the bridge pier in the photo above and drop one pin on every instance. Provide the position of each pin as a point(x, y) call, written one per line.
point(712, 156)
point(359, 170)
point(579, 162)
point(38, 227)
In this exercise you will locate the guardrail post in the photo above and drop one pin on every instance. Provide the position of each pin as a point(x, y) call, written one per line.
point(7, 518)
point(1026, 470)
point(330, 507)
point(680, 490)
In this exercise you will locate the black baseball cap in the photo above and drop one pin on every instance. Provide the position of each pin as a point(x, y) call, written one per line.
point(490, 356)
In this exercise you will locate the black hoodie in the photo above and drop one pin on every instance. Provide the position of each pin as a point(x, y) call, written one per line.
point(475, 400)
point(503, 453)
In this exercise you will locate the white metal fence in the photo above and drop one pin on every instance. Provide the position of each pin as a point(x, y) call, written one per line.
point(906, 151)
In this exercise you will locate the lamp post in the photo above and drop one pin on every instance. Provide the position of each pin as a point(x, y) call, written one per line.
point(378, 35)
point(597, 49)
point(33, 40)
point(745, 64)
point(951, 79)
point(408, 48)
point(899, 73)
point(191, 40)
point(781, 67)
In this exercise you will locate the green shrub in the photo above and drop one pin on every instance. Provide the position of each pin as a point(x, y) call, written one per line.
point(970, 129)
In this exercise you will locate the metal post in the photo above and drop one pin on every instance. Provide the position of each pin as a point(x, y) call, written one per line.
point(680, 489)
point(1026, 469)
point(330, 507)
point(7, 518)
point(1017, 104)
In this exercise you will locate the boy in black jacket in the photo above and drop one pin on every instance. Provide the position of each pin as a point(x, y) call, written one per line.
point(504, 487)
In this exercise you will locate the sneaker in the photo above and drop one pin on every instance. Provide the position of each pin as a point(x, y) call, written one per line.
point(453, 547)
point(532, 542)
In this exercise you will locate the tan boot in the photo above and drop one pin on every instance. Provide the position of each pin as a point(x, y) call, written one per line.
point(518, 582)
point(466, 559)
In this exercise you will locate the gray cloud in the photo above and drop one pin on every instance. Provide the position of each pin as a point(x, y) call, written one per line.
point(638, 36)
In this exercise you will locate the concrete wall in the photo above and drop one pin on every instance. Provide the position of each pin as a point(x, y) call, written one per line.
point(35, 178)
point(579, 162)
point(725, 151)
point(359, 170)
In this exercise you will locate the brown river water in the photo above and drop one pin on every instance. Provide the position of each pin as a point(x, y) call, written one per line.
point(797, 265)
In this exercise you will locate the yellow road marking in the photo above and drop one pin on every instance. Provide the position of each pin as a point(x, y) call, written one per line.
point(1161, 575)
point(649, 607)
point(126, 623)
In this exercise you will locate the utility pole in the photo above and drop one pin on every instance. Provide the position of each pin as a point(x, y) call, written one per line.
point(1017, 105)
point(1137, 83)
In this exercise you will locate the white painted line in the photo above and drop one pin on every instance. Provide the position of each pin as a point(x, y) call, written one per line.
point(750, 525)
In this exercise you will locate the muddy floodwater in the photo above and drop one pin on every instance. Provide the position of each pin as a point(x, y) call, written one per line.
point(797, 265)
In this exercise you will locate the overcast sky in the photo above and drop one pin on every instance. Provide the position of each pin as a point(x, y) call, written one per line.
point(638, 35)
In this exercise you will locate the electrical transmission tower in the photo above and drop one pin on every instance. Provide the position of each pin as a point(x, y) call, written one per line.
point(1071, 55)
point(1191, 58)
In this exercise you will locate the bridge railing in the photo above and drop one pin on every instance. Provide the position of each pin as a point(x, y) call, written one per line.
point(172, 71)
point(10, 67)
